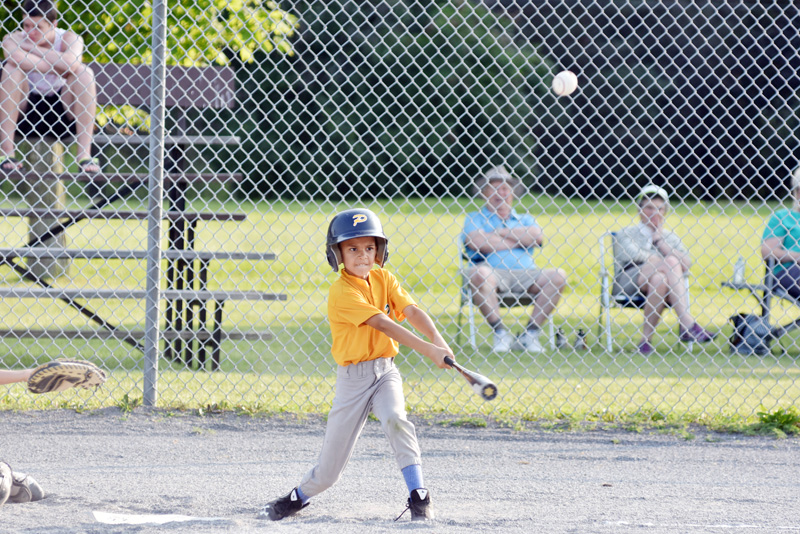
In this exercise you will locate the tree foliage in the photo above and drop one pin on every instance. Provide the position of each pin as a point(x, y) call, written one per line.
point(405, 97)
point(199, 32)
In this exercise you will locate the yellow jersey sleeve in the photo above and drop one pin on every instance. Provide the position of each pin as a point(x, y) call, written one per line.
point(399, 298)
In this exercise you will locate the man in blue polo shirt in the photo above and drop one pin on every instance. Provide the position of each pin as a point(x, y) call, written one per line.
point(499, 243)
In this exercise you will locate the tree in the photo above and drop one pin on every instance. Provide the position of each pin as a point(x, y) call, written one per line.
point(199, 32)
point(701, 96)
point(402, 97)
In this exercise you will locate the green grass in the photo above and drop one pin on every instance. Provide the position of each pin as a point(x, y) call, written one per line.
point(294, 371)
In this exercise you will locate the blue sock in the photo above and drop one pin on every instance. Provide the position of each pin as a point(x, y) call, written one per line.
point(302, 495)
point(413, 476)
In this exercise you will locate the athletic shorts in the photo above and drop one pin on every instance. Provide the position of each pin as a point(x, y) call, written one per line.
point(45, 116)
point(510, 280)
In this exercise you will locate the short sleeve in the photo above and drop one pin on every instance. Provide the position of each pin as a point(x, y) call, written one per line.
point(399, 298)
point(775, 227)
point(527, 220)
point(471, 224)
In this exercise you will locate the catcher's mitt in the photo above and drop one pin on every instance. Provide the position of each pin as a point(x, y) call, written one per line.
point(59, 375)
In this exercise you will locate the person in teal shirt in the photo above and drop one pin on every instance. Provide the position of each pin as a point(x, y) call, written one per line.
point(499, 242)
point(781, 242)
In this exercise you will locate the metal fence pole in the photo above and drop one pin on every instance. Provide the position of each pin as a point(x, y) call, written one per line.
point(154, 208)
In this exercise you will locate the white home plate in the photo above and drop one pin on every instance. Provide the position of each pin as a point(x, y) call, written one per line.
point(141, 519)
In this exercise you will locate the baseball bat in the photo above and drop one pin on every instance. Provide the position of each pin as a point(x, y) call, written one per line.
point(480, 384)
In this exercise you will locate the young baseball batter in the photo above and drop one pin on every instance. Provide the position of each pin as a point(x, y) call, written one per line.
point(364, 304)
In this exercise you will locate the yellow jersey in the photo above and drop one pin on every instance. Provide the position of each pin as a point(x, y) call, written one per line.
point(353, 300)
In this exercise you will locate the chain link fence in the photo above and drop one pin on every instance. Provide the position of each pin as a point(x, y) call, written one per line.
point(278, 115)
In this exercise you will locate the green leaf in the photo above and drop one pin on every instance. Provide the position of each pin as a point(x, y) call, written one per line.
point(199, 31)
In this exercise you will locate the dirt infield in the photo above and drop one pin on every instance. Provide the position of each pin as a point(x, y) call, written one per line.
point(220, 469)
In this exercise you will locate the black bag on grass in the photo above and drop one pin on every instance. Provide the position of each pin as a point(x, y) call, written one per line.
point(751, 334)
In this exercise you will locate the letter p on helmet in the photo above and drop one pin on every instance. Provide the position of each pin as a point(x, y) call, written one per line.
point(359, 218)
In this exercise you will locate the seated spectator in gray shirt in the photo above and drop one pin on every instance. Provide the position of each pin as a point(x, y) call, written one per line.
point(653, 261)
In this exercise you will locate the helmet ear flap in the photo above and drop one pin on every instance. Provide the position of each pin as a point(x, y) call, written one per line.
point(334, 257)
point(383, 251)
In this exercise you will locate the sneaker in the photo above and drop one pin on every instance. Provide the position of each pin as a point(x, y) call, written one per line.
point(5, 482)
point(697, 333)
point(283, 507)
point(420, 505)
point(645, 348)
point(502, 340)
point(25, 489)
point(529, 341)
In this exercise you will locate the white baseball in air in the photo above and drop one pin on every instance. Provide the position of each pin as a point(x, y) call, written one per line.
point(565, 83)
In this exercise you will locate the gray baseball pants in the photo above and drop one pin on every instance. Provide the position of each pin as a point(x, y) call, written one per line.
point(360, 388)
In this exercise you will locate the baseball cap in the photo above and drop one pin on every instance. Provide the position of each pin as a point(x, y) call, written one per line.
point(651, 191)
point(498, 173)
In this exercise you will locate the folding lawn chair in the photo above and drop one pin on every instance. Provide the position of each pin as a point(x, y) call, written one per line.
point(506, 300)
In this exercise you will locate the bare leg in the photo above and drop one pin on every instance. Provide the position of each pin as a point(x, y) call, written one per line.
point(677, 297)
point(484, 293)
point(654, 284)
point(13, 90)
point(80, 99)
point(662, 281)
point(547, 290)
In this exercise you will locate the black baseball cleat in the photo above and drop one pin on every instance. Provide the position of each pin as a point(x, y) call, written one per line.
point(282, 507)
point(420, 505)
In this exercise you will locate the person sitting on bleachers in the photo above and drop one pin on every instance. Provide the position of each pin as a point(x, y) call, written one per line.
point(45, 88)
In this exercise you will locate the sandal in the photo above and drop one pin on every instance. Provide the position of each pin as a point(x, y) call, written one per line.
point(82, 164)
point(6, 160)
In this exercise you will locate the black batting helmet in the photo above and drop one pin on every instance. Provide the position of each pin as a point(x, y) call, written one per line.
point(349, 224)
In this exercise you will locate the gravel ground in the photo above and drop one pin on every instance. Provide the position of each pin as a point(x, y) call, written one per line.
point(221, 469)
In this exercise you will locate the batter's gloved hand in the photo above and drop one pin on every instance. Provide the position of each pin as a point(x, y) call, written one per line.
point(59, 375)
